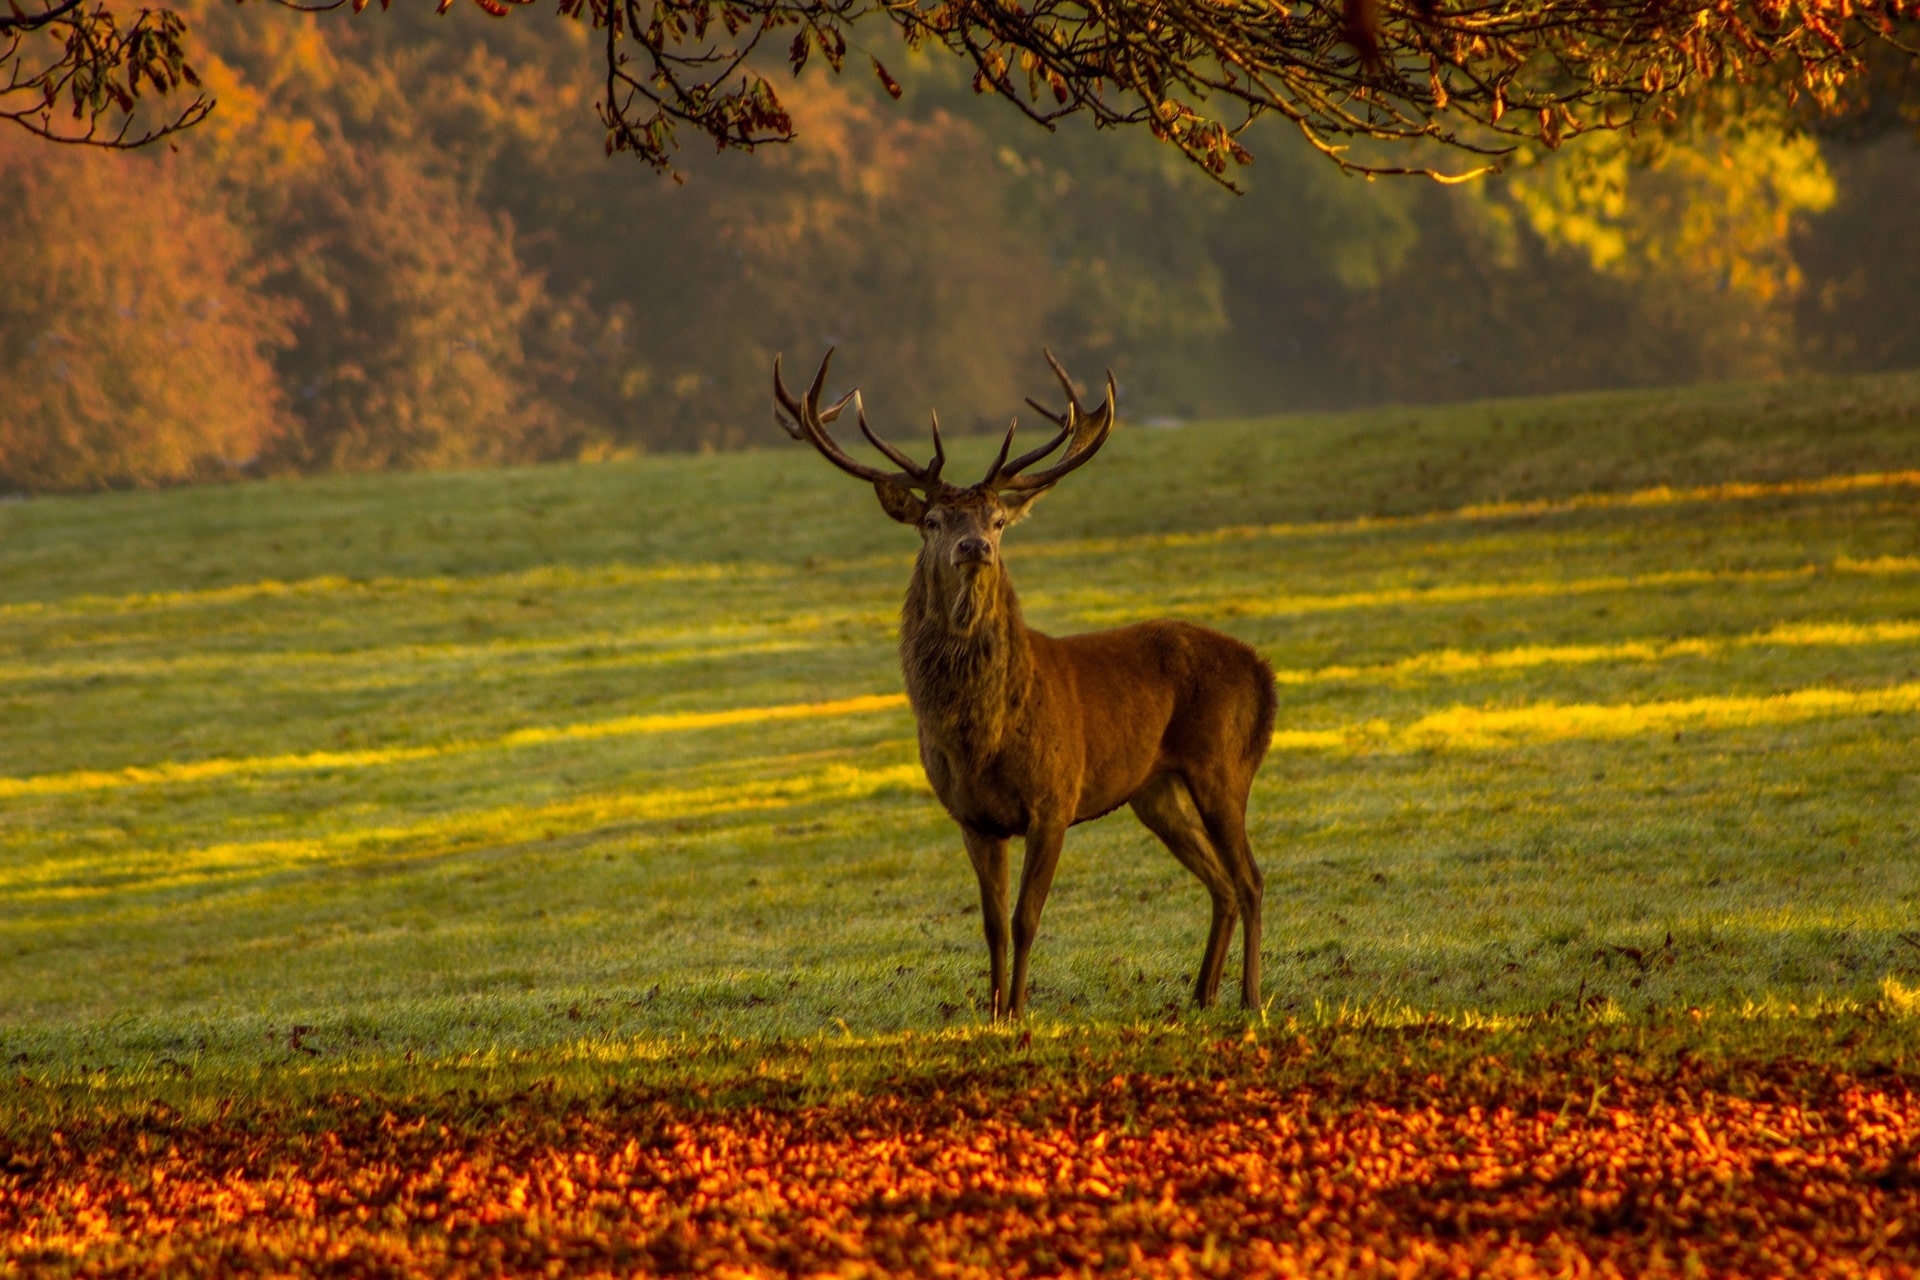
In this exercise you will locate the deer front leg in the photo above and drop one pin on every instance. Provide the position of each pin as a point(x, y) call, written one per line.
point(1036, 878)
point(989, 857)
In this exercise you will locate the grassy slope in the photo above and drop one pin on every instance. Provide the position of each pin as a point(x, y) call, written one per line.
point(790, 877)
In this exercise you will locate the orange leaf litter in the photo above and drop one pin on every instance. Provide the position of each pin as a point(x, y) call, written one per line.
point(1140, 1175)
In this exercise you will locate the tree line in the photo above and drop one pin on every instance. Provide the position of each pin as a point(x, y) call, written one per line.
point(398, 243)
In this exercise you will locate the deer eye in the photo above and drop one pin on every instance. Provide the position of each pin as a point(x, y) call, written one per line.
point(999, 522)
point(932, 521)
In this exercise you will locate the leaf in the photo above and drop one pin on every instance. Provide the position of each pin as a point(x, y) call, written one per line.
point(886, 78)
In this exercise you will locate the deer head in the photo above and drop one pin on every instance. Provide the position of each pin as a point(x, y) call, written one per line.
point(960, 527)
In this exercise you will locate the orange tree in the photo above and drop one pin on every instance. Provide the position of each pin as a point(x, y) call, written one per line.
point(136, 352)
point(1477, 76)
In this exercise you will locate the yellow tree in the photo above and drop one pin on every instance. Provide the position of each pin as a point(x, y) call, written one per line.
point(136, 353)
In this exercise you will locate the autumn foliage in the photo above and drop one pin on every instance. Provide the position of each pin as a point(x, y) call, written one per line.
point(1480, 79)
point(1574, 1163)
point(411, 306)
point(139, 352)
point(426, 259)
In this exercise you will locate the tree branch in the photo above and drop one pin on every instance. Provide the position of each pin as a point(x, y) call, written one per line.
point(34, 21)
point(1478, 77)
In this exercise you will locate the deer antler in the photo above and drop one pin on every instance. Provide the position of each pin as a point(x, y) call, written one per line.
point(810, 424)
point(1082, 432)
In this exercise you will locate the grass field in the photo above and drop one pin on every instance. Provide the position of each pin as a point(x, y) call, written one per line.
point(1593, 711)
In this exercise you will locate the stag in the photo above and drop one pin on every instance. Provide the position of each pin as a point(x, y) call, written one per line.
point(1025, 734)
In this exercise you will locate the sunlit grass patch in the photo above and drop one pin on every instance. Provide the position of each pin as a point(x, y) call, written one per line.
point(1480, 727)
point(1472, 728)
point(1103, 607)
point(391, 668)
point(68, 877)
point(330, 761)
point(1487, 512)
point(332, 587)
point(1441, 663)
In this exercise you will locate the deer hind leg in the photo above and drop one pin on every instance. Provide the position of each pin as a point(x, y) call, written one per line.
point(1225, 811)
point(989, 858)
point(1167, 809)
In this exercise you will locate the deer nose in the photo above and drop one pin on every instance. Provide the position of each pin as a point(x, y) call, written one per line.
point(973, 550)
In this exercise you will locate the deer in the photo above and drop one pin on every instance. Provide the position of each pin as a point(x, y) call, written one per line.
point(1025, 734)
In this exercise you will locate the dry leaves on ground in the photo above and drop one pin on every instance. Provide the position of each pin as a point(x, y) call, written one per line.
point(1557, 1168)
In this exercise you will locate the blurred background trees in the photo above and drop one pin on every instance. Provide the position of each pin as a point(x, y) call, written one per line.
point(140, 350)
point(398, 242)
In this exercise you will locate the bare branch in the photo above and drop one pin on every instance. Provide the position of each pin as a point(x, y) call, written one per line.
point(34, 21)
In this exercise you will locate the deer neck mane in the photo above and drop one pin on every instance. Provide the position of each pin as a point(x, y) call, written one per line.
point(966, 656)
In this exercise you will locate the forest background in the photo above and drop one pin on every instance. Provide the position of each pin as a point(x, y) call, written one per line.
point(398, 243)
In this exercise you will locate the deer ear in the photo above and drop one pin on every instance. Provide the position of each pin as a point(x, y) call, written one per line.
point(1017, 504)
point(899, 501)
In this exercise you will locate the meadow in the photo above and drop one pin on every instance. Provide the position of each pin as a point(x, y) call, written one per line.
point(1595, 701)
point(532, 869)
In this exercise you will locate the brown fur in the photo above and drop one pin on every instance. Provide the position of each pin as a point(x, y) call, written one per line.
point(1024, 734)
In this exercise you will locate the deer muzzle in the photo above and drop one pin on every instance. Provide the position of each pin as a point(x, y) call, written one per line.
point(972, 551)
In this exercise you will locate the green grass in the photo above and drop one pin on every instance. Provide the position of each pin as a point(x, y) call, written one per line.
point(456, 892)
